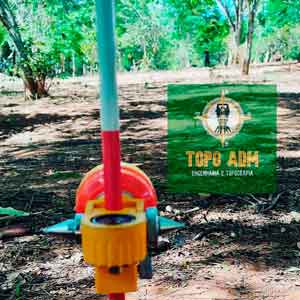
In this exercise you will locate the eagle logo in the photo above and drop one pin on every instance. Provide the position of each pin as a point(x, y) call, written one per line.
point(222, 118)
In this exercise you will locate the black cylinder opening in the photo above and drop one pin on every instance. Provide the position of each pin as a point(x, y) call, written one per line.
point(113, 219)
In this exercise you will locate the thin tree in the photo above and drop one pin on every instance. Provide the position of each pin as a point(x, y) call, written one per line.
point(34, 84)
point(252, 6)
point(235, 20)
point(236, 11)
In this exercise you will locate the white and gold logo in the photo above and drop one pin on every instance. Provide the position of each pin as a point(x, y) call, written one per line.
point(222, 118)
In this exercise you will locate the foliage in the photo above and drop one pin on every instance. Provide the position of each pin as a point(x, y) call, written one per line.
point(278, 33)
point(3, 35)
point(9, 211)
point(145, 30)
point(54, 34)
point(60, 35)
point(201, 23)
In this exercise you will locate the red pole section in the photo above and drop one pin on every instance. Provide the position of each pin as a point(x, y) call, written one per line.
point(112, 166)
point(112, 178)
point(116, 297)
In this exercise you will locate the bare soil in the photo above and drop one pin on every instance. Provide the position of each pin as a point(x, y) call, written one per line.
point(231, 247)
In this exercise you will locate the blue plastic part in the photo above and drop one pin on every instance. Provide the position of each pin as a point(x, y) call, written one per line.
point(152, 227)
point(70, 226)
point(107, 59)
point(77, 221)
point(73, 225)
point(168, 224)
point(145, 268)
point(65, 227)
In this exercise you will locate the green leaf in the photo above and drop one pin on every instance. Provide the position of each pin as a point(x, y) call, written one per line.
point(9, 211)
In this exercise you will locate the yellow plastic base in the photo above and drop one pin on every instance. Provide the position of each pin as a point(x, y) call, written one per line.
point(114, 245)
point(124, 282)
point(115, 249)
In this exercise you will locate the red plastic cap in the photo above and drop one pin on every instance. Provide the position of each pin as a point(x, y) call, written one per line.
point(133, 181)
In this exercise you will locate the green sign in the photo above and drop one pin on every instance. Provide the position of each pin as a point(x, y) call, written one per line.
point(222, 138)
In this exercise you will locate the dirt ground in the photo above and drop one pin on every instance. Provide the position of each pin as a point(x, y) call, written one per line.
point(233, 247)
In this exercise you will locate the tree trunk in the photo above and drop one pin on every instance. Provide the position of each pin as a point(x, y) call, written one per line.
point(73, 64)
point(62, 63)
point(235, 21)
point(252, 7)
point(239, 11)
point(36, 88)
point(237, 58)
point(248, 54)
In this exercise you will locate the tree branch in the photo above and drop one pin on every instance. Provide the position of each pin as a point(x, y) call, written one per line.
point(8, 20)
point(226, 11)
point(236, 4)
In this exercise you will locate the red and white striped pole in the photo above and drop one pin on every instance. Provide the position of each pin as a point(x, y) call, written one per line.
point(111, 154)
